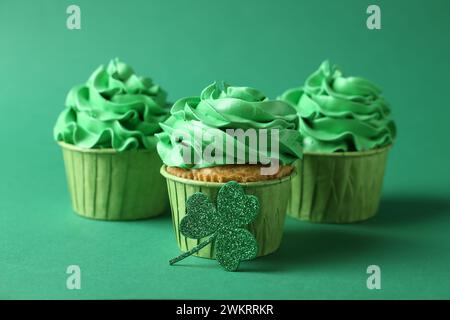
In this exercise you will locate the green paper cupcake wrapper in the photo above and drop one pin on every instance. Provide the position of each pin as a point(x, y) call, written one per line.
point(109, 185)
point(338, 187)
point(268, 227)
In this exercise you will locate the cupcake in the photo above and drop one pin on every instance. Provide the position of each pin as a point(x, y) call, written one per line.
point(347, 131)
point(107, 135)
point(231, 134)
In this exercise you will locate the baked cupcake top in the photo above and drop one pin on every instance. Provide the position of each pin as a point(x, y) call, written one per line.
point(115, 109)
point(197, 123)
point(339, 113)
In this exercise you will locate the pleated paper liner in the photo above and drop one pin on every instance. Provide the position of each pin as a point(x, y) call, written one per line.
point(108, 185)
point(339, 187)
point(268, 227)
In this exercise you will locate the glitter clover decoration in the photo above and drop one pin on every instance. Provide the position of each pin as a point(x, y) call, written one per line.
point(222, 224)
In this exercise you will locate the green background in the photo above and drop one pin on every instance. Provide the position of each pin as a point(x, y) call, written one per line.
point(185, 45)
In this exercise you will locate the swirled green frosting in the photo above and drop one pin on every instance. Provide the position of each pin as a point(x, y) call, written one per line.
point(339, 113)
point(221, 107)
point(114, 109)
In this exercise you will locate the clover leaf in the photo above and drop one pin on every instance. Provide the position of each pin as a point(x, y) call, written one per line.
point(201, 219)
point(223, 224)
point(234, 207)
point(234, 246)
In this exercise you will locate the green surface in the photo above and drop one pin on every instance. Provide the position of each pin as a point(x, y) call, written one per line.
point(185, 45)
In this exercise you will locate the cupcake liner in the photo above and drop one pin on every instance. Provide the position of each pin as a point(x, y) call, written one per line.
point(267, 228)
point(338, 187)
point(109, 185)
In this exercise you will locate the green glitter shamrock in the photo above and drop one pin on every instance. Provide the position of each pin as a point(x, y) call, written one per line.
point(223, 224)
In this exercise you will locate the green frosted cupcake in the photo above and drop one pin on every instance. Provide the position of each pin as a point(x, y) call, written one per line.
point(107, 134)
point(347, 131)
point(216, 116)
